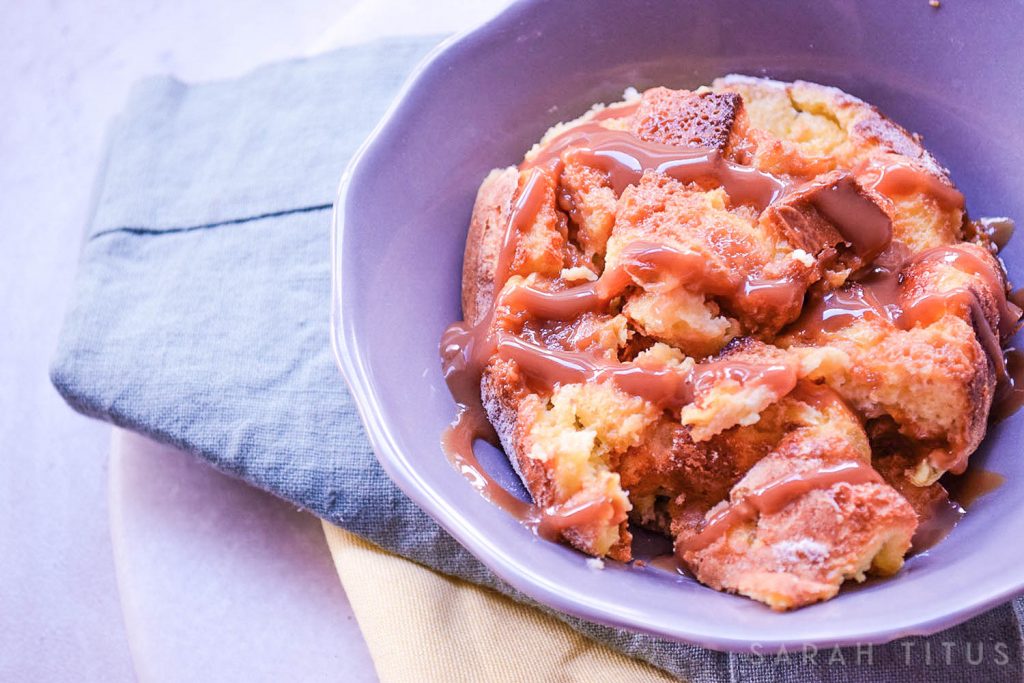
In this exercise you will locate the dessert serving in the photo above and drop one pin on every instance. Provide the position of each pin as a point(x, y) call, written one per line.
point(753, 317)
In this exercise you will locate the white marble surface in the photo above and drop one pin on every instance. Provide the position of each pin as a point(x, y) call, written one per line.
point(65, 68)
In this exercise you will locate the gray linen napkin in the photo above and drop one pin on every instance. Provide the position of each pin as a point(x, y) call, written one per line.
point(200, 318)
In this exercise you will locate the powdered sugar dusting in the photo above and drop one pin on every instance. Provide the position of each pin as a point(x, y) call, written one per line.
point(800, 550)
point(504, 424)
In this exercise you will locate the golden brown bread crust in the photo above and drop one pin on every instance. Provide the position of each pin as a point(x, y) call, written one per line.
point(804, 551)
point(502, 387)
point(696, 119)
point(968, 371)
point(483, 243)
point(867, 126)
point(514, 413)
point(979, 377)
point(798, 220)
point(668, 474)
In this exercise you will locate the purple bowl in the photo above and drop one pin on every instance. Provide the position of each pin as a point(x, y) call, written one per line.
point(481, 99)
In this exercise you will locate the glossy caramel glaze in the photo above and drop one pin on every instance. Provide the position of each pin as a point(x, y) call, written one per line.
point(686, 279)
point(776, 495)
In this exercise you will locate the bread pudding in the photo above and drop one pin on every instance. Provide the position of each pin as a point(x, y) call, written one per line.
point(753, 317)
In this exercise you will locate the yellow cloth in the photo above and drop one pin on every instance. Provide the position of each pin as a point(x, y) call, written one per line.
point(423, 626)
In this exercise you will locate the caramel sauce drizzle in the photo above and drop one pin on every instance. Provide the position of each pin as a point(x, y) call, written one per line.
point(974, 485)
point(666, 387)
point(550, 522)
point(998, 229)
point(938, 522)
point(774, 496)
point(524, 212)
point(641, 262)
point(625, 158)
point(1011, 398)
point(466, 349)
point(547, 522)
point(874, 297)
point(899, 178)
point(859, 220)
point(667, 563)
point(457, 442)
point(649, 264)
point(1008, 313)
point(947, 511)
point(877, 294)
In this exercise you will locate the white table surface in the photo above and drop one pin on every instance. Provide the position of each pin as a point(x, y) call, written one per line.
point(220, 581)
point(65, 68)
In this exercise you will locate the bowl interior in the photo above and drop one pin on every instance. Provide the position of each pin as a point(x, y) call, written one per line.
point(487, 97)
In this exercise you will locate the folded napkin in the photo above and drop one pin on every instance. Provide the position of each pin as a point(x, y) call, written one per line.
point(420, 625)
point(200, 318)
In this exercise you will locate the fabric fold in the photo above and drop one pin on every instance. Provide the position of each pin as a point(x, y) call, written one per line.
point(424, 626)
point(272, 141)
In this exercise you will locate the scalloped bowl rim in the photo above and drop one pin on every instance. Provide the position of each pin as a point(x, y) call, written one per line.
point(515, 572)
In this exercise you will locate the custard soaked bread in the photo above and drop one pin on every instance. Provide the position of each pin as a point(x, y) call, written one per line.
point(752, 317)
